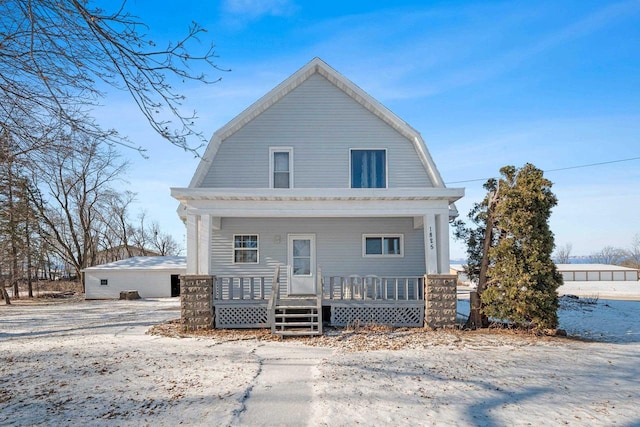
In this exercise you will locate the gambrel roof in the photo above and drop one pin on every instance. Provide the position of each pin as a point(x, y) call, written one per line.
point(360, 96)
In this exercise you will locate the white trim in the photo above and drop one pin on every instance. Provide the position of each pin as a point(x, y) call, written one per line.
point(382, 236)
point(187, 195)
point(431, 244)
point(305, 208)
point(233, 248)
point(204, 244)
point(193, 240)
point(272, 151)
point(386, 167)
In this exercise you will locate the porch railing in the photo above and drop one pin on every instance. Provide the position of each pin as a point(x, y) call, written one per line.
point(242, 287)
point(347, 288)
point(367, 288)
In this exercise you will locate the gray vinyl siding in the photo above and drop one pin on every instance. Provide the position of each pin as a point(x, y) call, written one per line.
point(338, 245)
point(321, 123)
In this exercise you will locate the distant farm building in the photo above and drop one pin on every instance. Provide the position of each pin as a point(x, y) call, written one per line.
point(596, 272)
point(151, 276)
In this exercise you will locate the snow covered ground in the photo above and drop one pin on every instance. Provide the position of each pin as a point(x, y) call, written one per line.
point(92, 363)
point(603, 289)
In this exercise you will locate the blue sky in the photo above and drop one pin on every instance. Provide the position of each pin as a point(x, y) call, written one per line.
point(553, 83)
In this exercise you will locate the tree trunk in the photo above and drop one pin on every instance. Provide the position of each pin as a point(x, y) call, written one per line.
point(476, 318)
point(5, 296)
point(29, 266)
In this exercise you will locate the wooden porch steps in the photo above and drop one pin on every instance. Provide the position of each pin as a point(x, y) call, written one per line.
point(297, 316)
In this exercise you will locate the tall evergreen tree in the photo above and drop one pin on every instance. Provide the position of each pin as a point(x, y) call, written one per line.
point(510, 246)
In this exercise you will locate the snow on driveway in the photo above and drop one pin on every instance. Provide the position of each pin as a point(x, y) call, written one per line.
point(91, 363)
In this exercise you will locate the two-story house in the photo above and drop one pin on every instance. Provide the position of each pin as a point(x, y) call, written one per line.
point(321, 180)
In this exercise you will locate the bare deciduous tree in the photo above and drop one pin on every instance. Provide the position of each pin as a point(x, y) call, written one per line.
point(633, 254)
point(563, 253)
point(57, 58)
point(609, 255)
point(76, 182)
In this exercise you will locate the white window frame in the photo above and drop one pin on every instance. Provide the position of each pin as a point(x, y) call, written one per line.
point(382, 236)
point(104, 282)
point(272, 151)
point(234, 249)
point(386, 166)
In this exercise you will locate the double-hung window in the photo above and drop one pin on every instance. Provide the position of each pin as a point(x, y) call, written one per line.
point(281, 167)
point(245, 248)
point(368, 168)
point(382, 245)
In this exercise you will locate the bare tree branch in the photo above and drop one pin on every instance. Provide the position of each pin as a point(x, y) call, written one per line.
point(57, 57)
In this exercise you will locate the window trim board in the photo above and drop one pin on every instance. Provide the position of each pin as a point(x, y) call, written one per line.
point(272, 151)
point(382, 236)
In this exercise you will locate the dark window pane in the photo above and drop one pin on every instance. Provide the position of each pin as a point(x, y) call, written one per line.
point(368, 169)
point(281, 180)
point(246, 255)
point(281, 162)
point(301, 248)
point(373, 245)
point(392, 246)
point(301, 266)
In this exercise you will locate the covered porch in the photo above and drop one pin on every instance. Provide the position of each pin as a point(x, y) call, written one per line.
point(257, 302)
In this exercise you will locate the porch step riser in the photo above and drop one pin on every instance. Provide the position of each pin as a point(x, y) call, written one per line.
point(297, 316)
point(297, 324)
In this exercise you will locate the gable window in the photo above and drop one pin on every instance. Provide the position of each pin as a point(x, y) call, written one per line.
point(368, 168)
point(382, 245)
point(104, 282)
point(245, 248)
point(280, 167)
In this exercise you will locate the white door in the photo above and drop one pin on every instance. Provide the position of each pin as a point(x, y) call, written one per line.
point(302, 264)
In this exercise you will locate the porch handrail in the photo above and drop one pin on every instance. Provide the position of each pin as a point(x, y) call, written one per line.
point(273, 299)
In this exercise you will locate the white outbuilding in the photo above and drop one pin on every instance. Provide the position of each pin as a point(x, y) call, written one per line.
point(596, 272)
point(151, 276)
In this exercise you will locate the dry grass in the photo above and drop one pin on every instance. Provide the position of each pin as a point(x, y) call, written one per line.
point(365, 338)
point(48, 291)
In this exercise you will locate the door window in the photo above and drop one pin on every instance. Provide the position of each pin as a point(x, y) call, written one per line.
point(302, 257)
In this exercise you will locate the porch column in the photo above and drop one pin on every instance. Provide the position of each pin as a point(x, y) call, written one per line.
point(192, 244)
point(431, 244)
point(204, 244)
point(442, 221)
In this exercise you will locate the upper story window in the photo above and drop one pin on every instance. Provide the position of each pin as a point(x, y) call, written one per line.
point(281, 167)
point(368, 168)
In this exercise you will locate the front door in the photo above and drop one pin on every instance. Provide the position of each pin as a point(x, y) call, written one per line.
point(302, 264)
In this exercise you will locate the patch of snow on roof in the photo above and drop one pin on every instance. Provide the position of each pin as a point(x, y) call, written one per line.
point(144, 263)
point(592, 267)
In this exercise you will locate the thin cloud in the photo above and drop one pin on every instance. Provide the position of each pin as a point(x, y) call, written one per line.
point(242, 12)
point(441, 62)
